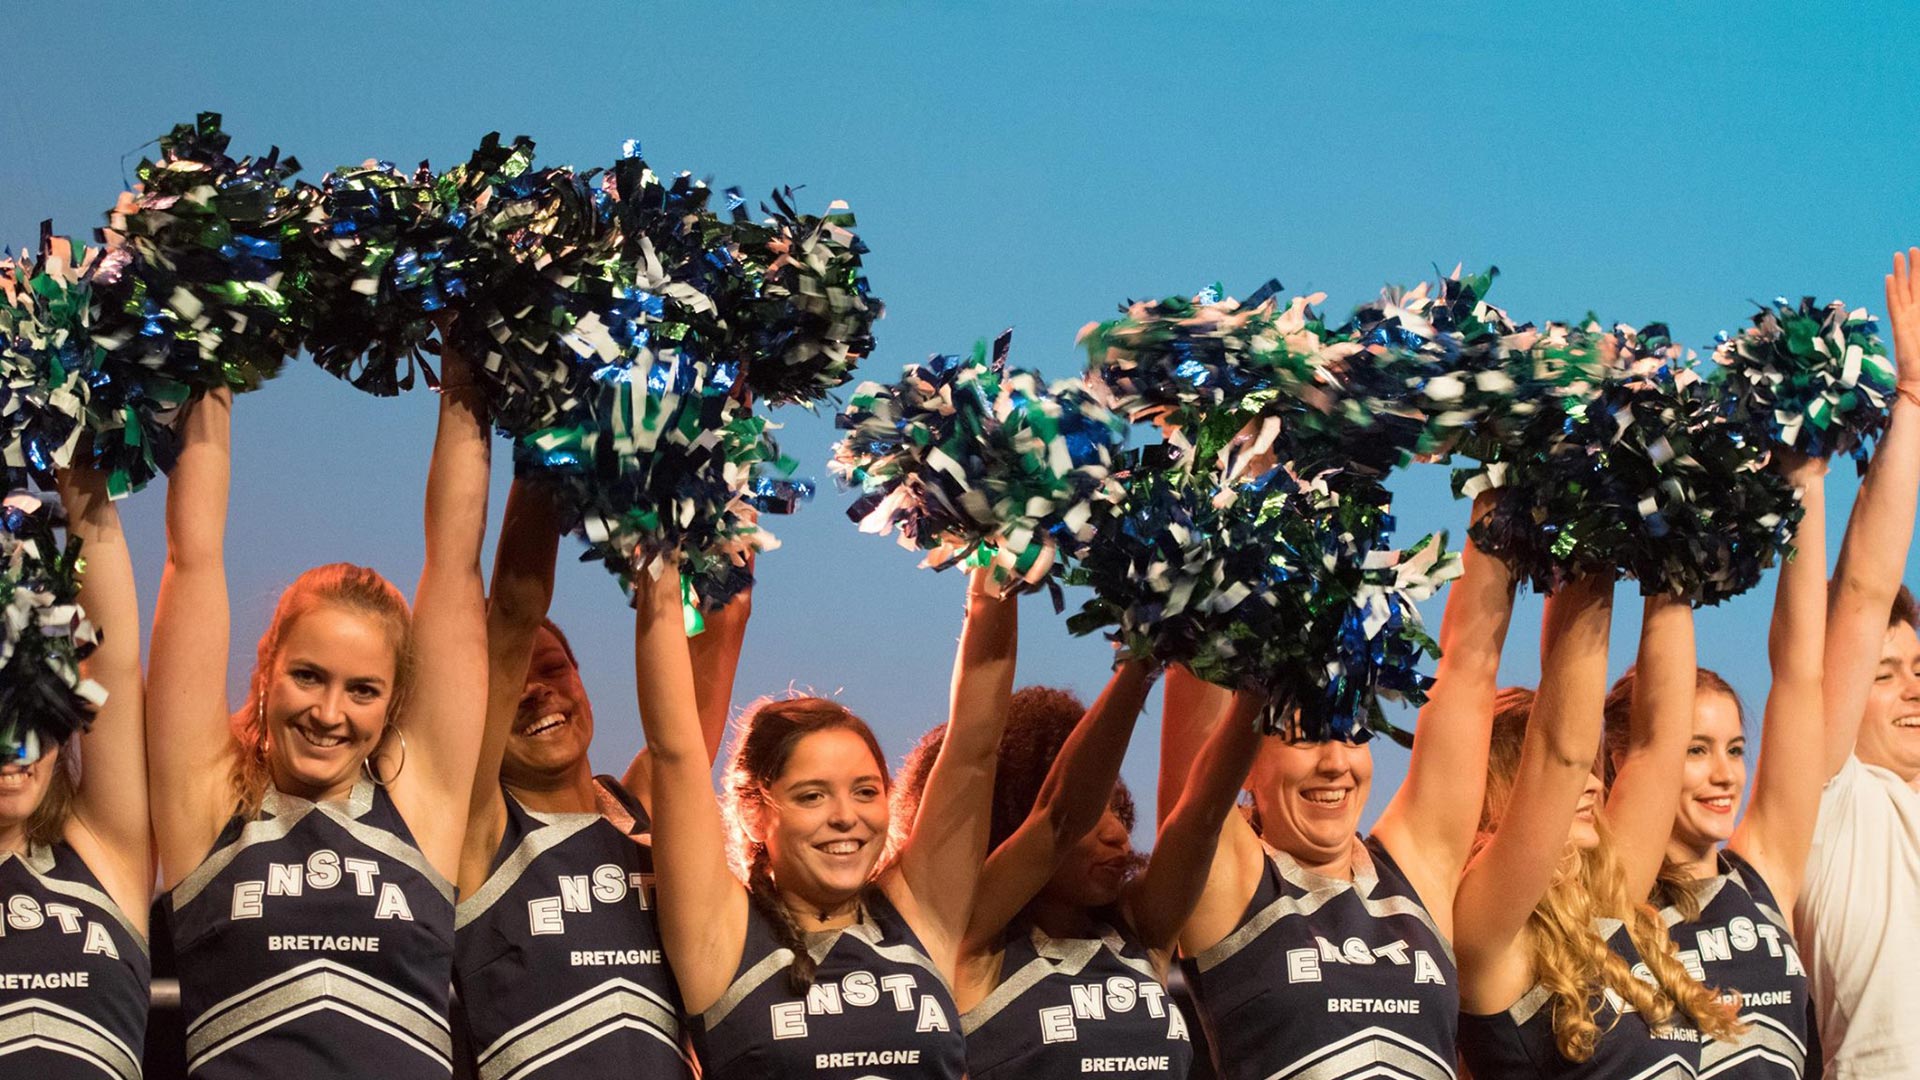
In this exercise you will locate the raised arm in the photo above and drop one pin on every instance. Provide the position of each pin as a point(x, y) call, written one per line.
point(446, 719)
point(1874, 554)
point(941, 858)
point(521, 593)
point(1646, 788)
point(1191, 707)
point(716, 662)
point(1507, 878)
point(1162, 899)
point(702, 906)
point(189, 748)
point(1429, 825)
point(1777, 831)
point(114, 833)
point(1077, 791)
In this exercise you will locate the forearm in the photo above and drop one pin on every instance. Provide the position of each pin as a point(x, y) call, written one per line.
point(664, 678)
point(1646, 790)
point(1079, 785)
point(1191, 708)
point(716, 665)
point(982, 674)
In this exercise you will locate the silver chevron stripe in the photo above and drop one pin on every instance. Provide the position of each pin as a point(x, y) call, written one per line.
point(614, 1005)
point(1373, 1052)
point(1320, 890)
point(281, 812)
point(1765, 1039)
point(1061, 956)
point(40, 867)
point(531, 847)
point(312, 987)
point(35, 1024)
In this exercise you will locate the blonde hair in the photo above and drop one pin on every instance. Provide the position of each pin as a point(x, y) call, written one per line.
point(1570, 958)
point(356, 589)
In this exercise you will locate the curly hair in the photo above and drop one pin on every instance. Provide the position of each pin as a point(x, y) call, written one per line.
point(341, 585)
point(1570, 957)
point(1905, 610)
point(1039, 720)
point(1674, 886)
point(767, 735)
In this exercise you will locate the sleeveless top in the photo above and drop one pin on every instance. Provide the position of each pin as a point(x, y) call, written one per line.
point(1518, 1044)
point(1743, 943)
point(314, 942)
point(558, 958)
point(1072, 1006)
point(1328, 979)
point(73, 972)
point(877, 1008)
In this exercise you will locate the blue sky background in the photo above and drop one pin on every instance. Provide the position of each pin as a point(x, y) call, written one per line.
point(1028, 165)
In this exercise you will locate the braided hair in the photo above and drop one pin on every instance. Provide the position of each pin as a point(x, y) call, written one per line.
point(769, 732)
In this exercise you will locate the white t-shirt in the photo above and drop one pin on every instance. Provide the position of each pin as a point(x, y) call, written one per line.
point(1859, 923)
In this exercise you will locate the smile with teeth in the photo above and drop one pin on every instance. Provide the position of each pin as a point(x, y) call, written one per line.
point(1907, 721)
point(1719, 804)
point(840, 847)
point(1326, 796)
point(14, 776)
point(549, 722)
point(324, 742)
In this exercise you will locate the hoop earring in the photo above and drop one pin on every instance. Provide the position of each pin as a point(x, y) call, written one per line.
point(366, 765)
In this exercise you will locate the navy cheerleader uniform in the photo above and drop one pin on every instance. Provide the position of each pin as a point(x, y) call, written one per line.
point(1743, 943)
point(315, 941)
point(557, 956)
point(1518, 1044)
point(1071, 1006)
point(74, 973)
point(1330, 979)
point(877, 1008)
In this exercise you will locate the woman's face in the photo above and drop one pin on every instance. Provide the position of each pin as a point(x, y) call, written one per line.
point(1309, 796)
point(326, 701)
point(824, 819)
point(22, 788)
point(554, 725)
point(1716, 773)
point(1093, 871)
point(1585, 832)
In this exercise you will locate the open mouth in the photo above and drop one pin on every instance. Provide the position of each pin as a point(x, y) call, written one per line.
point(14, 777)
point(1907, 721)
point(1329, 798)
point(840, 848)
point(545, 723)
point(1719, 804)
point(319, 741)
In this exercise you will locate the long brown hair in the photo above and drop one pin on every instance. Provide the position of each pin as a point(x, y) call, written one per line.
point(769, 732)
point(48, 822)
point(1569, 957)
point(342, 585)
point(1674, 886)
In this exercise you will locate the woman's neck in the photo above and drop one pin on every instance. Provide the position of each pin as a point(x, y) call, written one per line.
point(818, 917)
point(340, 792)
point(569, 792)
point(1061, 920)
point(1692, 859)
point(13, 839)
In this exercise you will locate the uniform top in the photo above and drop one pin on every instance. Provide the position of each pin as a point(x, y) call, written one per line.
point(74, 972)
point(1857, 914)
point(314, 940)
point(1330, 979)
point(1518, 1044)
point(1741, 943)
point(557, 956)
point(877, 1007)
point(1066, 1007)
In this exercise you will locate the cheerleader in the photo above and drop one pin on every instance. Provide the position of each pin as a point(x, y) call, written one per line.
point(823, 963)
point(1859, 902)
point(1314, 952)
point(558, 863)
point(1563, 971)
point(1725, 906)
point(308, 843)
point(1063, 968)
point(76, 862)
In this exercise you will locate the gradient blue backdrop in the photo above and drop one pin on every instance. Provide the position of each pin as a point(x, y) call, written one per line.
point(1023, 164)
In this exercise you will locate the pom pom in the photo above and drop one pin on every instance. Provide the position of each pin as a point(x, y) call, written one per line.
point(1642, 478)
point(194, 285)
point(43, 697)
point(965, 457)
point(801, 313)
point(47, 355)
point(1283, 586)
point(1813, 378)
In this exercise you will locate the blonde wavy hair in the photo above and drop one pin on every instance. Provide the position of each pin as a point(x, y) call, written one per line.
point(1570, 958)
point(345, 586)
